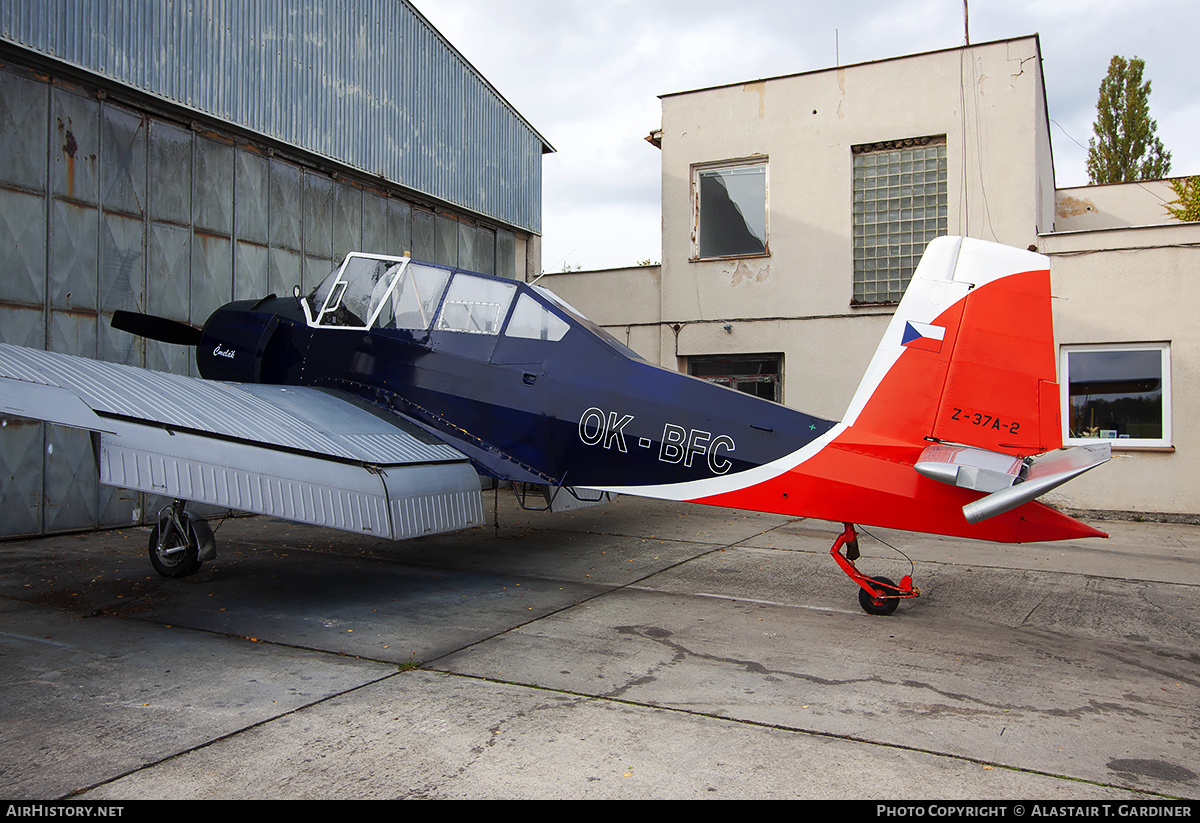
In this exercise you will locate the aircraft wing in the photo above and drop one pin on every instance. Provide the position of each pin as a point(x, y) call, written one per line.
point(303, 454)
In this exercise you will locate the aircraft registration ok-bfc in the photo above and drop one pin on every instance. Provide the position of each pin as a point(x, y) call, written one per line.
point(374, 404)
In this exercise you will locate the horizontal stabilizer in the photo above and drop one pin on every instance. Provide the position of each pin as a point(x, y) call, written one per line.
point(1045, 473)
point(969, 468)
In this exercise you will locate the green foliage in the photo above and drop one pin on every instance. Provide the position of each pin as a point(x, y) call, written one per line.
point(1125, 148)
point(1186, 205)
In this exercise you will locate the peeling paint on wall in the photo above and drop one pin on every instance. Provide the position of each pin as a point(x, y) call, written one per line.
point(1067, 206)
point(749, 272)
point(761, 88)
point(841, 81)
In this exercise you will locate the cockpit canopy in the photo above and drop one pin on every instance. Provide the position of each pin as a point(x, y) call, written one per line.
point(374, 292)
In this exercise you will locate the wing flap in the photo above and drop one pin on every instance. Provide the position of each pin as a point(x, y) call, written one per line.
point(396, 502)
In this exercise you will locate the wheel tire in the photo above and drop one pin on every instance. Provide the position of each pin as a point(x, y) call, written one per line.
point(878, 605)
point(177, 563)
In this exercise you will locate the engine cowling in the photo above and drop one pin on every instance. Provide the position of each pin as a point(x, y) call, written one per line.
point(233, 342)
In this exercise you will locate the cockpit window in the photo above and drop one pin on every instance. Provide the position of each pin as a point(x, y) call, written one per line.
point(380, 292)
point(475, 305)
point(533, 321)
point(352, 295)
point(414, 299)
point(558, 302)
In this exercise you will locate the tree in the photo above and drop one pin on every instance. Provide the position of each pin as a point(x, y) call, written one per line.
point(1125, 148)
point(1186, 205)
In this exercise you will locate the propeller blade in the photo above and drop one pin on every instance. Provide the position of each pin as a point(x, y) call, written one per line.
point(156, 328)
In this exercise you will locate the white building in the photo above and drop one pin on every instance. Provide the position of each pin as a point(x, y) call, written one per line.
point(795, 208)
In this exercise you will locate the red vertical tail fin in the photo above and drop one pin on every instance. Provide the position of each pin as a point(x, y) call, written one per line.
point(947, 430)
point(969, 355)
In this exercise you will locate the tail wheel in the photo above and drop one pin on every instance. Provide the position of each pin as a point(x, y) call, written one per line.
point(879, 605)
point(179, 554)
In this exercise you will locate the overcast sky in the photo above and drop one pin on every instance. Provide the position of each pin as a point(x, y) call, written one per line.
point(587, 74)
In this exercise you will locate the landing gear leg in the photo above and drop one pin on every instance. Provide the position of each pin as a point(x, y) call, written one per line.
point(179, 542)
point(878, 595)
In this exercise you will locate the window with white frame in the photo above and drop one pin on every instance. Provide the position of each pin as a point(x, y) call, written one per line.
point(730, 210)
point(1117, 392)
point(900, 205)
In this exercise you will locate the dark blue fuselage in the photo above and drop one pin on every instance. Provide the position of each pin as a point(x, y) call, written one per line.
point(580, 411)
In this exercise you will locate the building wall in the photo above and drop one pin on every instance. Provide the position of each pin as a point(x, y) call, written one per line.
point(1135, 286)
point(625, 302)
point(1115, 205)
point(804, 127)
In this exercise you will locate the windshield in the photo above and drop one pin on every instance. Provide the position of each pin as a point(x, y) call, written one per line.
point(382, 292)
point(352, 295)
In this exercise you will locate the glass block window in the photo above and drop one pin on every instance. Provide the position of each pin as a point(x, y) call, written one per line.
point(1117, 392)
point(900, 205)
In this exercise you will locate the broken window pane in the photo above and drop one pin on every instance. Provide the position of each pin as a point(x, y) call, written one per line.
point(757, 374)
point(733, 211)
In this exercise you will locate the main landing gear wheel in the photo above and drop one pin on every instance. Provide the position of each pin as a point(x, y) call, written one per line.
point(879, 605)
point(176, 555)
point(180, 542)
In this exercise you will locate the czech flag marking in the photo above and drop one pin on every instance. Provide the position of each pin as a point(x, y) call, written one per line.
point(923, 336)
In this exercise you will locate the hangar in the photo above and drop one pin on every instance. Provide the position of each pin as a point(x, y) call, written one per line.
point(171, 157)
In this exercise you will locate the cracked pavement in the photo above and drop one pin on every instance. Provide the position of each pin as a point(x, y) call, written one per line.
point(640, 649)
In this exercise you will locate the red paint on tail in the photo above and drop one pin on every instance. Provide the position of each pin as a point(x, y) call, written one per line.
point(989, 382)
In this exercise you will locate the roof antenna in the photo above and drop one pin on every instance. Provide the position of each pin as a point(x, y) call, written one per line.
point(837, 51)
point(966, 24)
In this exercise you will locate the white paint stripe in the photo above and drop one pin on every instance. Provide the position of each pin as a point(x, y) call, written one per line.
point(709, 486)
point(949, 269)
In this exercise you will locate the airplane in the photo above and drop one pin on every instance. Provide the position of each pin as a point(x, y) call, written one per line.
point(376, 402)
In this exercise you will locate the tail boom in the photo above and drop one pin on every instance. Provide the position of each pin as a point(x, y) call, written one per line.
point(847, 482)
